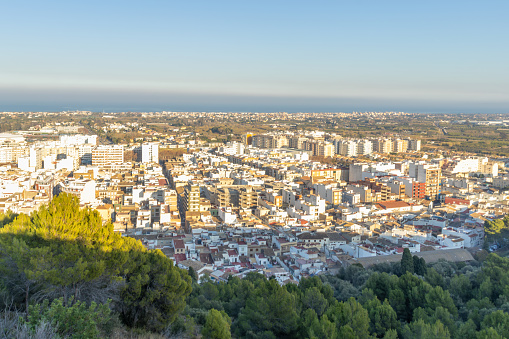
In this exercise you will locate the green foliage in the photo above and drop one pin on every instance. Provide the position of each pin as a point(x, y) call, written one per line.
point(381, 284)
point(7, 218)
point(154, 293)
point(192, 274)
point(420, 267)
point(217, 325)
point(434, 278)
point(499, 321)
point(497, 270)
point(64, 251)
point(489, 333)
point(461, 286)
point(65, 254)
point(270, 308)
point(183, 326)
point(439, 301)
point(314, 300)
point(422, 330)
point(496, 229)
point(76, 321)
point(407, 262)
point(352, 314)
point(383, 319)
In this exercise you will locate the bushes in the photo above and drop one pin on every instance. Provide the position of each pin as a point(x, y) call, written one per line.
point(76, 321)
point(63, 251)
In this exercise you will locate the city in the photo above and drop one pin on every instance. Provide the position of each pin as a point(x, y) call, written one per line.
point(258, 170)
point(269, 203)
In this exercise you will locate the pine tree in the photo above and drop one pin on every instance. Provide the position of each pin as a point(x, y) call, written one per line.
point(217, 325)
point(407, 262)
point(192, 274)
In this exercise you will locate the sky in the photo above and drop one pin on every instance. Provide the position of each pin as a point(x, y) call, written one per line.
point(293, 56)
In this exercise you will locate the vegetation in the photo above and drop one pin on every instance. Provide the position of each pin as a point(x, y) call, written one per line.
point(64, 274)
point(408, 299)
point(64, 253)
point(497, 231)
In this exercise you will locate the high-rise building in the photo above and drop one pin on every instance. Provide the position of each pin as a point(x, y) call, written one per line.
point(170, 198)
point(400, 145)
point(383, 145)
point(364, 147)
point(325, 150)
point(35, 156)
point(104, 155)
point(5, 155)
point(296, 142)
point(429, 174)
point(189, 200)
point(84, 153)
point(347, 148)
point(148, 153)
point(270, 141)
point(414, 145)
point(247, 138)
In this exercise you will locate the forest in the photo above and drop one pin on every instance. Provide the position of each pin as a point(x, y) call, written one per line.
point(66, 275)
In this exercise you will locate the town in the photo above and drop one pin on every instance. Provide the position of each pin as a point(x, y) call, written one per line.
point(285, 203)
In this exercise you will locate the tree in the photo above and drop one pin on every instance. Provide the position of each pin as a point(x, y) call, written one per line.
point(420, 267)
point(270, 307)
point(407, 262)
point(209, 290)
point(65, 251)
point(312, 327)
point(192, 274)
point(217, 325)
point(7, 217)
point(422, 330)
point(499, 321)
point(496, 229)
point(461, 287)
point(467, 330)
point(381, 284)
point(496, 269)
point(391, 334)
point(314, 300)
point(155, 291)
point(76, 321)
point(434, 278)
point(437, 297)
point(351, 314)
point(489, 333)
point(383, 319)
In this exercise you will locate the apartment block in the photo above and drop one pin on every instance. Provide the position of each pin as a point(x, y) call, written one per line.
point(103, 155)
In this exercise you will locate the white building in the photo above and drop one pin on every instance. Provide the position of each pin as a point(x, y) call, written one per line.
point(150, 153)
point(84, 189)
point(78, 139)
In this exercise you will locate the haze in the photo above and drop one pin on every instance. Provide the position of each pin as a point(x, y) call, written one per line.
point(290, 56)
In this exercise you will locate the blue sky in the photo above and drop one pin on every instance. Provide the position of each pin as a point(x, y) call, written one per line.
point(428, 56)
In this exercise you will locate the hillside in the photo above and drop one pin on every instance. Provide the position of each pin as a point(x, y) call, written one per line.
point(65, 274)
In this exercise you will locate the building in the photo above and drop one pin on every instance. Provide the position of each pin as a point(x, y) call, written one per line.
point(104, 155)
point(347, 148)
point(430, 174)
point(148, 153)
point(383, 145)
point(296, 142)
point(364, 147)
point(414, 145)
point(325, 150)
point(189, 200)
point(270, 141)
point(84, 189)
point(247, 139)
